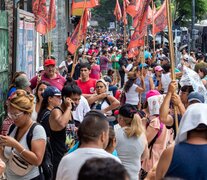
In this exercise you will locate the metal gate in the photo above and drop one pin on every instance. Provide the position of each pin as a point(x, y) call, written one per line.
point(4, 64)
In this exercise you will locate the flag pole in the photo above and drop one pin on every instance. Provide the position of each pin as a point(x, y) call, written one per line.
point(172, 54)
point(142, 64)
point(125, 36)
point(154, 35)
point(74, 58)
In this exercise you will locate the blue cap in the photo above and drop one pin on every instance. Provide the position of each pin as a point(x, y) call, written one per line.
point(145, 65)
point(196, 96)
point(51, 91)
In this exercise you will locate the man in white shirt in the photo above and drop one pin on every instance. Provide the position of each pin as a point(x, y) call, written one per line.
point(93, 134)
point(81, 110)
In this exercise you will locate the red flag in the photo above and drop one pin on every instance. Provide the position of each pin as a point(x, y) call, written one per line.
point(74, 41)
point(40, 11)
point(77, 4)
point(125, 2)
point(52, 16)
point(160, 19)
point(132, 7)
point(117, 11)
point(141, 27)
point(133, 52)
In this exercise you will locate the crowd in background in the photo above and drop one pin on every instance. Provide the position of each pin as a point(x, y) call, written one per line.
point(111, 118)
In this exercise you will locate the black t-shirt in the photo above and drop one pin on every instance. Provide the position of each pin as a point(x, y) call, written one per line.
point(122, 62)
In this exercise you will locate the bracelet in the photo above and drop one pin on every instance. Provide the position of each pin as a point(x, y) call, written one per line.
point(22, 151)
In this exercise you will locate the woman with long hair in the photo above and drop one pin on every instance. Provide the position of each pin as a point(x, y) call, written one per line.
point(132, 90)
point(131, 141)
point(51, 99)
point(38, 95)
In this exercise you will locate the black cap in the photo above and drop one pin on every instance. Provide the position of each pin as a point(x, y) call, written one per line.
point(128, 110)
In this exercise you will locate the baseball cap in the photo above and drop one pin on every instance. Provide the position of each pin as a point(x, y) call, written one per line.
point(41, 68)
point(158, 68)
point(51, 91)
point(164, 58)
point(196, 96)
point(144, 65)
point(152, 93)
point(49, 62)
point(127, 110)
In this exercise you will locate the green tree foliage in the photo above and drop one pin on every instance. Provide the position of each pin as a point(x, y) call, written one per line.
point(105, 12)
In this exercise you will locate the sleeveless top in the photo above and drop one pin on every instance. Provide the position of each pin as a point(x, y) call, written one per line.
point(147, 87)
point(57, 140)
point(189, 161)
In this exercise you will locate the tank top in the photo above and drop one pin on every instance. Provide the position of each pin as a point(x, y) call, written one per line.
point(189, 161)
point(57, 139)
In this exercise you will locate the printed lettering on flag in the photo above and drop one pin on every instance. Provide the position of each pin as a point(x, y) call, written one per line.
point(160, 19)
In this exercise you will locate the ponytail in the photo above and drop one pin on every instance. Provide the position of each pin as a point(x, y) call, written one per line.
point(134, 126)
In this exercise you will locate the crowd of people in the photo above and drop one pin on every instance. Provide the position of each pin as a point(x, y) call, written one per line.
point(111, 118)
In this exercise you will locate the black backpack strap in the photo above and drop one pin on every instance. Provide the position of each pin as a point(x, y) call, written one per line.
point(11, 128)
point(30, 135)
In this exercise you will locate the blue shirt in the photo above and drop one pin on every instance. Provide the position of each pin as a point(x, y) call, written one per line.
point(189, 162)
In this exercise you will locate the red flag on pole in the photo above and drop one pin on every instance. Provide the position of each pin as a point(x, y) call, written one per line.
point(133, 6)
point(125, 2)
point(117, 11)
point(52, 16)
point(160, 19)
point(74, 41)
point(141, 28)
point(39, 9)
point(77, 4)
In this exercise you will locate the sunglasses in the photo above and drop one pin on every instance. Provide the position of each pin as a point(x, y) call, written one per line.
point(15, 116)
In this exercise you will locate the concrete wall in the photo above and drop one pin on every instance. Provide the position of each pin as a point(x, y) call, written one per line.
point(59, 34)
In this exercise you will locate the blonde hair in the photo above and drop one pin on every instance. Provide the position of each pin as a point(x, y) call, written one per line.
point(134, 126)
point(22, 100)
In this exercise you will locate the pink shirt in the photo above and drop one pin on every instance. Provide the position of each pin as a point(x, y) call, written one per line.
point(57, 82)
point(95, 72)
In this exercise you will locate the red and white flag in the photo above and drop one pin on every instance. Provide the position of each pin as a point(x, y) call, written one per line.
point(160, 19)
point(39, 9)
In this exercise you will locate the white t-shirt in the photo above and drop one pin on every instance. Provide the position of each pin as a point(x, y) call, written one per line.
point(165, 80)
point(38, 133)
point(132, 96)
point(130, 151)
point(81, 109)
point(70, 165)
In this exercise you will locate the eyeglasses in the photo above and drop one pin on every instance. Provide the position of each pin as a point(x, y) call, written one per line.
point(97, 87)
point(14, 116)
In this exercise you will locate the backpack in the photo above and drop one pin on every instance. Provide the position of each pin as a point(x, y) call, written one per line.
point(46, 166)
point(150, 145)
